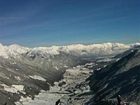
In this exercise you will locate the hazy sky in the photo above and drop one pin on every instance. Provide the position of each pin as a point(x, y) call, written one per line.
point(47, 22)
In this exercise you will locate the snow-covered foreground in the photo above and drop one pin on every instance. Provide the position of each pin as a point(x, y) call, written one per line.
point(72, 77)
point(44, 98)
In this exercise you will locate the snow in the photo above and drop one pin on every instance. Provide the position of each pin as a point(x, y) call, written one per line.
point(55, 92)
point(13, 88)
point(3, 51)
point(56, 67)
point(118, 59)
point(135, 45)
point(90, 64)
point(43, 98)
point(74, 49)
point(72, 72)
point(12, 50)
point(105, 66)
point(75, 71)
point(16, 49)
point(105, 60)
point(18, 78)
point(98, 69)
point(37, 77)
point(18, 87)
point(99, 49)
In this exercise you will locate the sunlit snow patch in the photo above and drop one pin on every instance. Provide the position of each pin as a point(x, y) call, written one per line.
point(13, 88)
point(38, 77)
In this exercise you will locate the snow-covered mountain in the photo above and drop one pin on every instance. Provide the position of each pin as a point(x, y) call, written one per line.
point(25, 72)
point(75, 49)
point(12, 50)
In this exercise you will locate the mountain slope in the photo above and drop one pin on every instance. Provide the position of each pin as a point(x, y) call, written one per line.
point(25, 72)
point(120, 78)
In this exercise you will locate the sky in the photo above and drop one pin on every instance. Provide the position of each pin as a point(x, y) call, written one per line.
point(60, 22)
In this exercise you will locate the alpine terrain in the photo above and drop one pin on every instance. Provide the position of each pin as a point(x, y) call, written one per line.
point(70, 75)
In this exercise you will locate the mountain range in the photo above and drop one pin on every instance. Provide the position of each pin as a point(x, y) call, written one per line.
point(25, 72)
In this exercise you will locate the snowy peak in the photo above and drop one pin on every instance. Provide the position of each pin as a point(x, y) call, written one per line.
point(75, 49)
point(12, 50)
point(3, 51)
point(80, 49)
point(135, 45)
point(99, 49)
point(17, 49)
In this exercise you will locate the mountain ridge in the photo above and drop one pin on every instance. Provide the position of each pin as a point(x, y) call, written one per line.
point(118, 78)
point(74, 49)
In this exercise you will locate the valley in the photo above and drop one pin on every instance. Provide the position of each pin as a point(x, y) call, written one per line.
point(45, 76)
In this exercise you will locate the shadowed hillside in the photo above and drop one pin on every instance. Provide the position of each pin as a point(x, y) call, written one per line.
point(120, 78)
